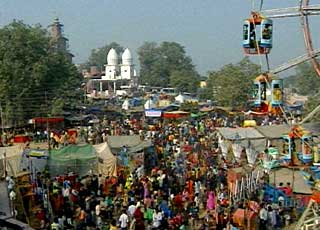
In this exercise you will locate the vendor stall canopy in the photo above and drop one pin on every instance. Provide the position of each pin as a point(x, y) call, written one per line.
point(240, 133)
point(73, 158)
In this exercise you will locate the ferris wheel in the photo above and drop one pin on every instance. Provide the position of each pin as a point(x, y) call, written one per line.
point(258, 39)
point(303, 10)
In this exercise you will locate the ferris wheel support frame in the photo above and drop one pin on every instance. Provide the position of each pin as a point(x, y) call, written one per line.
point(303, 10)
point(307, 35)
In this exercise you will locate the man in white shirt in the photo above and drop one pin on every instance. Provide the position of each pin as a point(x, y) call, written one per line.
point(124, 220)
point(263, 216)
point(12, 195)
point(131, 210)
point(156, 219)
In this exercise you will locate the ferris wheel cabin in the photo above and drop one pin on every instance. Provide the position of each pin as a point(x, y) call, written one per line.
point(276, 92)
point(267, 94)
point(257, 35)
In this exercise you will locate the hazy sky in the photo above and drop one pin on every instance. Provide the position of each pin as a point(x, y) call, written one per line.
point(210, 30)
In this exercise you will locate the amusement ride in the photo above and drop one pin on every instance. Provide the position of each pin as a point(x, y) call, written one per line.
point(299, 149)
point(258, 40)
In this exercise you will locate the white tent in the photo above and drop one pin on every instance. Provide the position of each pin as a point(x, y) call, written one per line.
point(125, 105)
point(10, 160)
point(107, 162)
point(180, 98)
point(149, 104)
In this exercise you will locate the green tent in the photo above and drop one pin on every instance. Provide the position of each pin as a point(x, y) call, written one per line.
point(79, 159)
point(196, 115)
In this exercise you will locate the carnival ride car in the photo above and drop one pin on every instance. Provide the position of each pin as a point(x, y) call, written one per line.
point(257, 34)
point(303, 139)
point(298, 148)
point(268, 94)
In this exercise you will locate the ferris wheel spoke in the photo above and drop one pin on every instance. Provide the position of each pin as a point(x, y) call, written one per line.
point(295, 61)
point(292, 11)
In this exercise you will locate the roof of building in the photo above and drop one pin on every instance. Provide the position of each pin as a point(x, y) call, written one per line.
point(126, 57)
point(120, 141)
point(240, 133)
point(273, 131)
point(112, 57)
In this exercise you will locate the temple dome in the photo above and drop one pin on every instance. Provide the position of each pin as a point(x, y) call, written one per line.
point(127, 57)
point(112, 57)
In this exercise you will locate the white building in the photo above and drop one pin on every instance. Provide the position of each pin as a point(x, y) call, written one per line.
point(115, 71)
point(120, 76)
point(127, 68)
point(112, 66)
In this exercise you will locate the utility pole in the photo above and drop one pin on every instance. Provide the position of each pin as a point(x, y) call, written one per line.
point(2, 132)
point(47, 121)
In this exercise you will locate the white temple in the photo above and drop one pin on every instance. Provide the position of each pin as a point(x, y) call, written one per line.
point(120, 77)
point(114, 71)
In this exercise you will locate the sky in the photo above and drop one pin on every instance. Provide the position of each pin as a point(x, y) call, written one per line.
point(210, 30)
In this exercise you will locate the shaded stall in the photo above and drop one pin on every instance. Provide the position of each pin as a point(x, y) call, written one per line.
point(138, 152)
point(10, 160)
point(79, 159)
point(117, 142)
point(107, 162)
point(44, 122)
point(274, 140)
point(273, 133)
point(175, 115)
point(241, 140)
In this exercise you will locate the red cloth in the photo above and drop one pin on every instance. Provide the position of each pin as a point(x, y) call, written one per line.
point(286, 190)
point(138, 215)
point(190, 187)
point(178, 201)
point(41, 215)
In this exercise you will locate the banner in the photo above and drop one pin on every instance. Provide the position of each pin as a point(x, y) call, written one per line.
point(237, 150)
point(224, 148)
point(251, 155)
point(153, 113)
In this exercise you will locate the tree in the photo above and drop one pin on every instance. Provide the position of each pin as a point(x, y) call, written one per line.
point(305, 80)
point(32, 76)
point(98, 57)
point(231, 85)
point(312, 103)
point(159, 63)
point(184, 80)
point(148, 55)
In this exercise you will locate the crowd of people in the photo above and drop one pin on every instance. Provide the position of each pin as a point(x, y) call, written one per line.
point(184, 185)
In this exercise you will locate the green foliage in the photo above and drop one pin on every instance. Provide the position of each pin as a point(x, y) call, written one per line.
point(305, 81)
point(32, 76)
point(205, 93)
point(184, 80)
point(167, 65)
point(231, 85)
point(98, 57)
point(311, 104)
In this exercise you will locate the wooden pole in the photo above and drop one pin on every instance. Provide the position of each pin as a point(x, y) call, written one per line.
point(274, 182)
point(236, 189)
point(292, 184)
point(241, 187)
point(5, 164)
